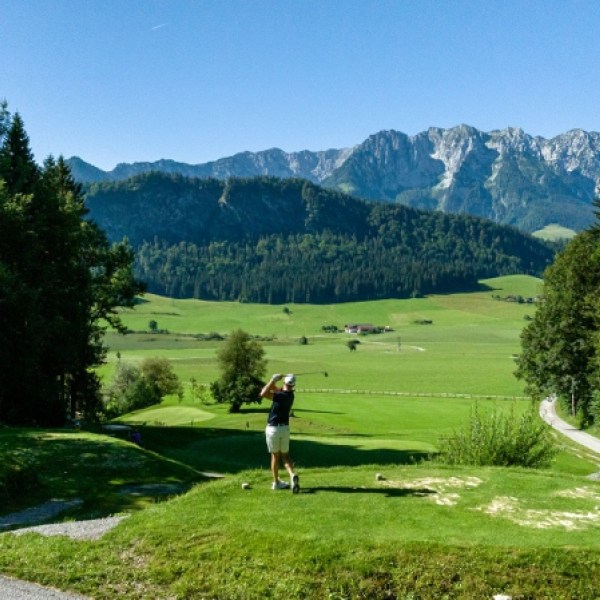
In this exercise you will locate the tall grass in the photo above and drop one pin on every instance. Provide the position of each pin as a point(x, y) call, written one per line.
point(500, 438)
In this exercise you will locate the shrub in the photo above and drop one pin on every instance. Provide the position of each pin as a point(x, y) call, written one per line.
point(500, 438)
point(134, 387)
point(329, 328)
point(200, 391)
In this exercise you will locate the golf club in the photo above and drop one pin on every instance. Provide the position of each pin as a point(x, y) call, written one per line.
point(325, 373)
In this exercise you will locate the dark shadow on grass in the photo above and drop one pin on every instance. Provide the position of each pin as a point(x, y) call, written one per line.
point(323, 412)
point(233, 450)
point(108, 476)
point(259, 409)
point(264, 409)
point(387, 492)
point(478, 287)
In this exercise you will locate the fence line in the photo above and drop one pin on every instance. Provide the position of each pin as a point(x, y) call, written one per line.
point(411, 394)
point(391, 393)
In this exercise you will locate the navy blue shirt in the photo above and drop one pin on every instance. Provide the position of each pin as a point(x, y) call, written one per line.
point(280, 408)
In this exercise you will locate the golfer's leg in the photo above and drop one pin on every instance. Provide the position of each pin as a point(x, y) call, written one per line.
point(289, 464)
point(275, 466)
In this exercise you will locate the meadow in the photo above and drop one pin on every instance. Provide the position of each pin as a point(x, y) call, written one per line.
point(468, 348)
point(555, 232)
point(420, 531)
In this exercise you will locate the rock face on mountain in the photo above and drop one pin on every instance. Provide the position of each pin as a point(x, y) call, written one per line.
point(314, 166)
point(507, 176)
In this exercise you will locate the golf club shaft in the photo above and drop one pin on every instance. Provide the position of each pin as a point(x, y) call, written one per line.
point(313, 373)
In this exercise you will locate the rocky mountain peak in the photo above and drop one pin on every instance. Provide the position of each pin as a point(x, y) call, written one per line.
point(506, 175)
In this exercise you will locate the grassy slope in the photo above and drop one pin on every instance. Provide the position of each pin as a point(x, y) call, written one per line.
point(87, 466)
point(425, 532)
point(555, 232)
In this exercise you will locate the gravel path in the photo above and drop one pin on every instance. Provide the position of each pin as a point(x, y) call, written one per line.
point(12, 589)
point(76, 530)
point(38, 514)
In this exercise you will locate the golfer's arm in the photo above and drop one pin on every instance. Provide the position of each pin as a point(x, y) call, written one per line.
point(268, 392)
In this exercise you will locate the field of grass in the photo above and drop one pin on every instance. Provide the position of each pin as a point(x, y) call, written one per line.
point(422, 532)
point(467, 349)
point(555, 232)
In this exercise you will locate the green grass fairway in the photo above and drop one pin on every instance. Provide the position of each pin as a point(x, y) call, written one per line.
point(466, 352)
point(423, 532)
point(468, 348)
point(171, 416)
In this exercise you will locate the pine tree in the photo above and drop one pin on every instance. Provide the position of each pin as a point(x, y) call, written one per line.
point(17, 167)
point(58, 278)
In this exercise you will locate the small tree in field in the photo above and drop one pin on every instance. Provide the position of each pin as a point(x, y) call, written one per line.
point(200, 391)
point(243, 366)
point(159, 375)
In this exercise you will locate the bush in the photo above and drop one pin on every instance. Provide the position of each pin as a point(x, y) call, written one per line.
point(330, 328)
point(501, 439)
point(134, 387)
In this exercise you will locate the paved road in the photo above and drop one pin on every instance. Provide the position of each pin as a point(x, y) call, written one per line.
point(548, 413)
point(12, 589)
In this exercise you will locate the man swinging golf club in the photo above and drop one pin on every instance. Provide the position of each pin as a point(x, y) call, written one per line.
point(278, 429)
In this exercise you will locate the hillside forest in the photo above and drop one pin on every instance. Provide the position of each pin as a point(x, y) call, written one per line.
point(271, 240)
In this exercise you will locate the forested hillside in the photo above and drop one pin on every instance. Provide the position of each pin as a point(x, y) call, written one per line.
point(273, 240)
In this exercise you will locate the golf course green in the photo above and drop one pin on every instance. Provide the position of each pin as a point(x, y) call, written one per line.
point(376, 517)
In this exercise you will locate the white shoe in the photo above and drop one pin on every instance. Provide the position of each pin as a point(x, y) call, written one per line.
point(295, 484)
point(280, 485)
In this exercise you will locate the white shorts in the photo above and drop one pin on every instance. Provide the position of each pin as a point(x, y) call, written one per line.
point(278, 438)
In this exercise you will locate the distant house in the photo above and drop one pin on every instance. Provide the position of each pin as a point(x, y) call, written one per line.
point(358, 327)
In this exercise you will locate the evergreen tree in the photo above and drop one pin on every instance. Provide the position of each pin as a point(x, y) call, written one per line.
point(17, 167)
point(59, 278)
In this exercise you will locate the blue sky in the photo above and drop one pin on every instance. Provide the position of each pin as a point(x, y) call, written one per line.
point(196, 80)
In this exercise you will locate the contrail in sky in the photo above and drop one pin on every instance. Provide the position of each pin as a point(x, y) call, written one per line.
point(158, 26)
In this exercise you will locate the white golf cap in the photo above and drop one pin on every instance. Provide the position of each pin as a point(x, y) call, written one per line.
point(290, 379)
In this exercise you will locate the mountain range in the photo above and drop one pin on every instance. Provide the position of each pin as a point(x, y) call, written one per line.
point(507, 176)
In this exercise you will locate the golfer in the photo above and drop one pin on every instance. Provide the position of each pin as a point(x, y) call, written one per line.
point(278, 429)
